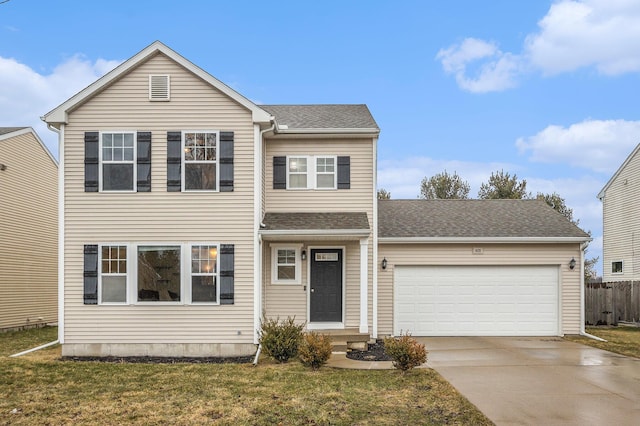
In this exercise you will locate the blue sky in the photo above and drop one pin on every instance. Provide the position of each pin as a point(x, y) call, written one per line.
point(547, 90)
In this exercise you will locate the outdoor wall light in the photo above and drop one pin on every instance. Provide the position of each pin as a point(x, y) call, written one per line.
point(572, 263)
point(3, 167)
point(384, 263)
point(304, 255)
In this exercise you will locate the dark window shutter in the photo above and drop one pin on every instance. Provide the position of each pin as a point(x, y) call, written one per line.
point(91, 161)
point(226, 161)
point(91, 274)
point(174, 161)
point(279, 172)
point(344, 172)
point(143, 162)
point(226, 274)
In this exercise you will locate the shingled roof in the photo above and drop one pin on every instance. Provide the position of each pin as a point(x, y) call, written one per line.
point(5, 130)
point(315, 221)
point(473, 219)
point(323, 116)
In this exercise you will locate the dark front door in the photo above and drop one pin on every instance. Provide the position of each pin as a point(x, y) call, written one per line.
point(325, 303)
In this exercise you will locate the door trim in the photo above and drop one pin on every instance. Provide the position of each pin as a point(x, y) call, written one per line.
point(328, 325)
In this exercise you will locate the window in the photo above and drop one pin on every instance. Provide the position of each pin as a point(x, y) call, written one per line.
point(326, 172)
point(204, 271)
point(616, 267)
point(297, 175)
point(200, 158)
point(113, 274)
point(159, 278)
point(118, 153)
point(311, 172)
point(285, 264)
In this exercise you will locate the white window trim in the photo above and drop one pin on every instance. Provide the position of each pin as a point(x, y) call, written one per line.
point(133, 162)
point(308, 172)
point(621, 263)
point(312, 173)
point(189, 290)
point(274, 264)
point(184, 162)
point(316, 172)
point(127, 275)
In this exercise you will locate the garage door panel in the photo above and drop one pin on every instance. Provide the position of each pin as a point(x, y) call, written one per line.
point(476, 300)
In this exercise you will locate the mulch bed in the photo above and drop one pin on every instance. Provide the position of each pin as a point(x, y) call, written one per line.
point(374, 353)
point(162, 360)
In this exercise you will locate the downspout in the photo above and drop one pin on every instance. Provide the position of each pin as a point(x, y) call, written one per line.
point(583, 246)
point(46, 345)
point(258, 246)
point(61, 229)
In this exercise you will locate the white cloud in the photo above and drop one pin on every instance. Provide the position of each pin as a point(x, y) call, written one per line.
point(497, 73)
point(573, 34)
point(598, 145)
point(27, 95)
point(576, 34)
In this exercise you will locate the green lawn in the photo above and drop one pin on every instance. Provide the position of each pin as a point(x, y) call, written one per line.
point(621, 340)
point(41, 389)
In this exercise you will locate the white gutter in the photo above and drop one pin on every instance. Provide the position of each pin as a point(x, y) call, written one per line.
point(35, 349)
point(374, 272)
point(486, 240)
point(318, 232)
point(364, 131)
point(583, 332)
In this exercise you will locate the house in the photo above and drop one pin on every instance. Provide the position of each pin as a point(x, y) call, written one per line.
point(190, 213)
point(28, 230)
point(621, 223)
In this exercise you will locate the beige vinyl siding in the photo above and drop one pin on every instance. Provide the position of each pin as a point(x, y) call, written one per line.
point(359, 198)
point(28, 230)
point(159, 216)
point(356, 199)
point(493, 254)
point(621, 230)
point(288, 300)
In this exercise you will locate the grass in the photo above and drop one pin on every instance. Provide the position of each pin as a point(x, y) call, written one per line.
point(621, 340)
point(40, 389)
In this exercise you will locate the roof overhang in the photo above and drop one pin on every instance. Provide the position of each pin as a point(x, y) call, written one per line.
point(315, 234)
point(485, 240)
point(291, 133)
point(59, 115)
point(602, 192)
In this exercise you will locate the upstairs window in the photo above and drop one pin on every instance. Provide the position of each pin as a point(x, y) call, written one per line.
point(118, 153)
point(616, 267)
point(326, 172)
point(200, 160)
point(298, 172)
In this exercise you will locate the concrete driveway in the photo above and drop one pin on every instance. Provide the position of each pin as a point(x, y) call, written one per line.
point(539, 380)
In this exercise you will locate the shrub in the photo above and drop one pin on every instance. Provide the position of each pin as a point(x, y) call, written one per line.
point(406, 352)
point(314, 350)
point(280, 340)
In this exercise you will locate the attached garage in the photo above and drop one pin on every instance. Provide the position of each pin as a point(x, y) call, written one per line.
point(476, 300)
point(478, 268)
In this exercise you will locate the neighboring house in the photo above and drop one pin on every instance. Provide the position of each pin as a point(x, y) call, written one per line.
point(190, 213)
point(28, 230)
point(621, 222)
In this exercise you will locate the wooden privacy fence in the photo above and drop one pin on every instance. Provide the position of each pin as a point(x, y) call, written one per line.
point(609, 303)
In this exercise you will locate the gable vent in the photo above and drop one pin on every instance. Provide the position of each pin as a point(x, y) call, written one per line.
point(159, 87)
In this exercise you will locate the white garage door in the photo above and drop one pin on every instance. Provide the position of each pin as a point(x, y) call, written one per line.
point(476, 300)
